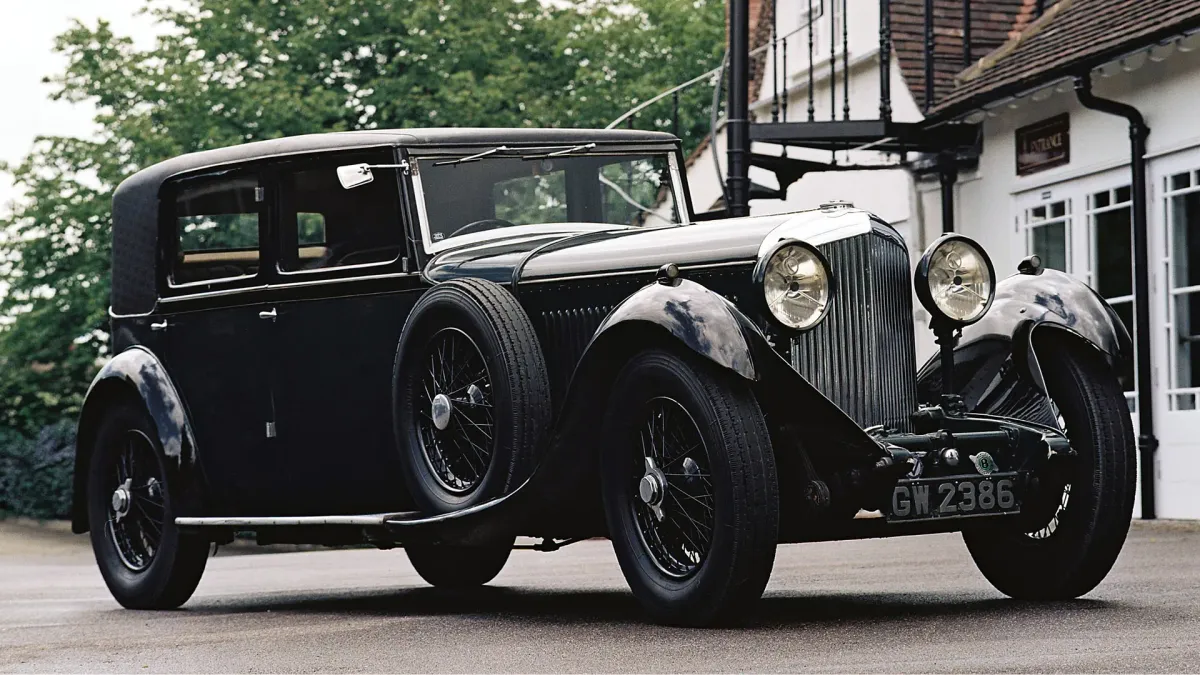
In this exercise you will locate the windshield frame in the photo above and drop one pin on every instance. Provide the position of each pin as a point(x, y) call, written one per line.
point(678, 193)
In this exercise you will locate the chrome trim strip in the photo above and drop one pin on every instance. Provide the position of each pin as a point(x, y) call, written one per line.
point(293, 284)
point(370, 520)
point(647, 270)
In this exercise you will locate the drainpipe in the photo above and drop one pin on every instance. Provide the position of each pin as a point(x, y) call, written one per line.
point(947, 176)
point(737, 127)
point(1138, 132)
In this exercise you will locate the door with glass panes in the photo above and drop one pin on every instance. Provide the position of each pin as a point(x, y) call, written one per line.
point(1175, 218)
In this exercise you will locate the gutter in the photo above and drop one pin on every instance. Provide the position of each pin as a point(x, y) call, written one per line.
point(1138, 132)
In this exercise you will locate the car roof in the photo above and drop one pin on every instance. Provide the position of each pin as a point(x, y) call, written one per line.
point(135, 201)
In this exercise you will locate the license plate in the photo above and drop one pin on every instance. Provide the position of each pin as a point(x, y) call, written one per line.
point(957, 497)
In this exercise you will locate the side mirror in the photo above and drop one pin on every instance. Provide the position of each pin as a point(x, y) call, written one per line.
point(354, 175)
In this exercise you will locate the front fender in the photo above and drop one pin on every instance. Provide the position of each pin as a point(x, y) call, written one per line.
point(1001, 344)
point(138, 374)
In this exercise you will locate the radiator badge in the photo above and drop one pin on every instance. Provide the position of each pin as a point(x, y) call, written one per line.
point(984, 463)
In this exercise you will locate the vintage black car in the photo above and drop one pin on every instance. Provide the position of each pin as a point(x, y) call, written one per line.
point(443, 340)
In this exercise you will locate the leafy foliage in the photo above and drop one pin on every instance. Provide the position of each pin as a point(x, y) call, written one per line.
point(36, 475)
point(230, 71)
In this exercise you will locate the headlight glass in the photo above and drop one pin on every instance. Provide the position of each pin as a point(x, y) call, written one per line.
point(960, 280)
point(796, 285)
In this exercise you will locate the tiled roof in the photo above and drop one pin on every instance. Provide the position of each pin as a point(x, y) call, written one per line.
point(993, 22)
point(1072, 36)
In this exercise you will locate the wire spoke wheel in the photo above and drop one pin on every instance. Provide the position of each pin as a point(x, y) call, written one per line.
point(455, 415)
point(1060, 507)
point(674, 504)
point(137, 511)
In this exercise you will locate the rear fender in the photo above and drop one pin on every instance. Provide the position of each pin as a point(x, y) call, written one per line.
point(137, 374)
point(998, 357)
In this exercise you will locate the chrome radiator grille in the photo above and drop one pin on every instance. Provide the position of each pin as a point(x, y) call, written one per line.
point(863, 355)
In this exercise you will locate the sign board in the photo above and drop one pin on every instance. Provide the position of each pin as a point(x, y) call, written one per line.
point(1044, 145)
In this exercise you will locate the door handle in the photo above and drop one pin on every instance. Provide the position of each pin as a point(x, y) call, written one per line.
point(161, 325)
point(268, 314)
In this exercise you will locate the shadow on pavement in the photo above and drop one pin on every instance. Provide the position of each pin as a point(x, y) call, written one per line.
point(567, 607)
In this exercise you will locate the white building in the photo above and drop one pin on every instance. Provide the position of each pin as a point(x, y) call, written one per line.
point(1065, 195)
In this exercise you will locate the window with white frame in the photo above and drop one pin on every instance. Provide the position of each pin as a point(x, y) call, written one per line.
point(1048, 234)
point(1181, 192)
point(1110, 225)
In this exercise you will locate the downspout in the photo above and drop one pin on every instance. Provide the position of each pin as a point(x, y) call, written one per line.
point(737, 128)
point(1138, 132)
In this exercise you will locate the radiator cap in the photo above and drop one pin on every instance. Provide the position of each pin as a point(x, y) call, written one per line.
point(835, 205)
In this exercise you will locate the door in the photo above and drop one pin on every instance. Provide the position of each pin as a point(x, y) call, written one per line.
point(216, 339)
point(1176, 201)
point(342, 302)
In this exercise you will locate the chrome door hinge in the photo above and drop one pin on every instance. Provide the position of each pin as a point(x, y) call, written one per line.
point(270, 430)
point(260, 194)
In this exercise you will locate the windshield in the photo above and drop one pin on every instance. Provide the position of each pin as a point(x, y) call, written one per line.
point(496, 191)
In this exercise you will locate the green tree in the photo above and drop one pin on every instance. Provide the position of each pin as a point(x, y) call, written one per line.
point(231, 71)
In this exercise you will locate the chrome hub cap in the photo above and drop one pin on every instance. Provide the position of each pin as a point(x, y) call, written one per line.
point(652, 488)
point(442, 407)
point(122, 500)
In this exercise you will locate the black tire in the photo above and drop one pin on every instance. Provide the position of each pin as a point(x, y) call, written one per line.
point(494, 431)
point(1073, 527)
point(675, 574)
point(145, 560)
point(458, 566)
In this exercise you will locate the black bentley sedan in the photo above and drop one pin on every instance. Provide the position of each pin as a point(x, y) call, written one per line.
point(443, 340)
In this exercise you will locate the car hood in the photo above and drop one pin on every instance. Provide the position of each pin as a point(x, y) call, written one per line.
point(567, 254)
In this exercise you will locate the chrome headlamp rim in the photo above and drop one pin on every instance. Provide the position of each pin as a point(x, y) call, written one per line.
point(760, 273)
point(921, 279)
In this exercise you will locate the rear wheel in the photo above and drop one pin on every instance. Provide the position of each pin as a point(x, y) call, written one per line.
point(1073, 526)
point(144, 559)
point(458, 566)
point(690, 492)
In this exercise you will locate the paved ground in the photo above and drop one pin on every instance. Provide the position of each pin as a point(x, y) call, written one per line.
point(913, 604)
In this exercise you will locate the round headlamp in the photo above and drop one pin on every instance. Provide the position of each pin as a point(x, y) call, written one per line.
point(796, 284)
point(955, 280)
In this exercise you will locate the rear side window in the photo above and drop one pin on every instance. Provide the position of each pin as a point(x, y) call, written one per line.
point(326, 226)
point(217, 224)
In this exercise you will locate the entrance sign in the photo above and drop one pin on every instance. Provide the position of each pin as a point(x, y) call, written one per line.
point(1044, 145)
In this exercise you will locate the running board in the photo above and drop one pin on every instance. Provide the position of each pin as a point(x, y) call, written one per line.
point(369, 520)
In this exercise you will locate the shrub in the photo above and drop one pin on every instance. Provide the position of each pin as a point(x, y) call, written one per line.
point(36, 474)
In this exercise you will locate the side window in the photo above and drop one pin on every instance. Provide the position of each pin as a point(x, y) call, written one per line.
point(216, 225)
point(325, 225)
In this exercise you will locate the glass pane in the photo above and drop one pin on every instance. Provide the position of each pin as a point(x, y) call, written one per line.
point(1187, 334)
point(1100, 200)
point(636, 191)
point(1114, 255)
point(1058, 209)
point(1185, 234)
point(217, 224)
point(335, 227)
point(1185, 401)
point(1037, 214)
point(1123, 194)
point(1050, 242)
point(1124, 310)
point(532, 199)
point(1180, 181)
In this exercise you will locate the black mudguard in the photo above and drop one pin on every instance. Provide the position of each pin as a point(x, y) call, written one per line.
point(682, 313)
point(136, 373)
point(996, 366)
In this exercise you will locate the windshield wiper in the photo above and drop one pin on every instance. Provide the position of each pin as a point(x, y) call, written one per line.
point(564, 151)
point(473, 158)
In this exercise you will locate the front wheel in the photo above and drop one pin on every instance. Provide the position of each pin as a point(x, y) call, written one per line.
point(145, 560)
point(690, 492)
point(1074, 524)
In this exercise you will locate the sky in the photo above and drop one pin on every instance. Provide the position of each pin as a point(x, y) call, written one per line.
point(27, 31)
